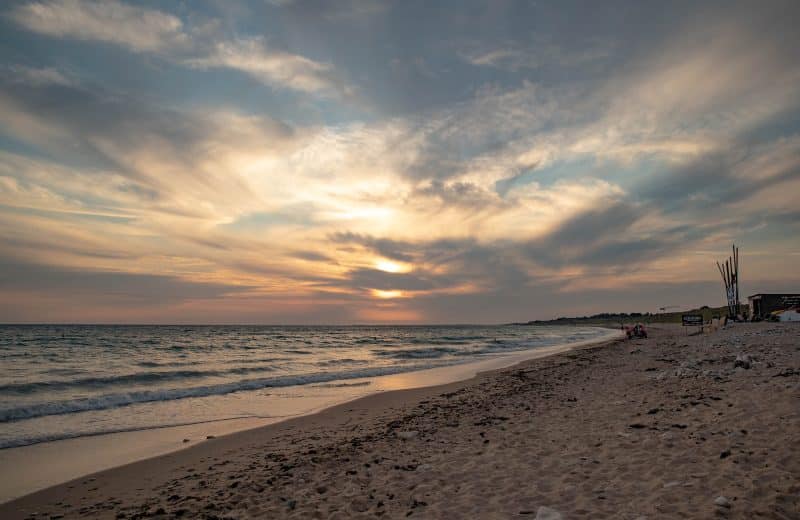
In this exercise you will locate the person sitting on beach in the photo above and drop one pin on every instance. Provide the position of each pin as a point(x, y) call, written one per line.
point(637, 331)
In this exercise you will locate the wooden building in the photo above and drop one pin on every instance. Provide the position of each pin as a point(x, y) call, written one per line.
point(762, 305)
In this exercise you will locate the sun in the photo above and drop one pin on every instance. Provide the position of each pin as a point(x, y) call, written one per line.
point(386, 295)
point(391, 266)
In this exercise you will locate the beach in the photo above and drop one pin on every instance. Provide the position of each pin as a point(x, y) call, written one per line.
point(674, 426)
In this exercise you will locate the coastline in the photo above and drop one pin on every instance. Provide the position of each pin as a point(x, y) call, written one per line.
point(659, 428)
point(33, 468)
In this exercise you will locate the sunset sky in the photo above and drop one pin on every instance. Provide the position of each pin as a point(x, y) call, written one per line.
point(293, 161)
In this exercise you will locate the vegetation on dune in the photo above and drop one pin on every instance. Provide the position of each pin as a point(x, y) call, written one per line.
point(611, 318)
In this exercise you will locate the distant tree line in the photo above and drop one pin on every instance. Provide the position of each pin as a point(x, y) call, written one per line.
point(607, 318)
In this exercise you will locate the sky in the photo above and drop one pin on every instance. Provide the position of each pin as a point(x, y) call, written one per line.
point(373, 161)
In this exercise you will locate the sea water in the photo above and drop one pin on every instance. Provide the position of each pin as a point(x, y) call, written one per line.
point(59, 381)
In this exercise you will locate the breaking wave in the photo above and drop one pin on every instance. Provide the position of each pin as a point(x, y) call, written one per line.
point(116, 400)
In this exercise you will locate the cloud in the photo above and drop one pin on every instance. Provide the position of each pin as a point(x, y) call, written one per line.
point(523, 186)
point(107, 285)
point(594, 225)
point(447, 265)
point(164, 157)
point(110, 21)
point(311, 256)
point(199, 46)
point(226, 180)
point(41, 293)
point(541, 53)
point(459, 194)
point(38, 77)
point(381, 280)
point(658, 106)
point(271, 66)
point(342, 10)
point(731, 175)
point(394, 249)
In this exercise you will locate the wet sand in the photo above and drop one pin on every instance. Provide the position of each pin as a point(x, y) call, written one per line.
point(667, 427)
point(27, 469)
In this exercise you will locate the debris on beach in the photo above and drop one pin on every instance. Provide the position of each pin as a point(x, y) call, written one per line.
point(546, 513)
point(722, 501)
point(743, 361)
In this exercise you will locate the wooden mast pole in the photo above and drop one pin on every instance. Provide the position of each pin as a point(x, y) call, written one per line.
point(736, 262)
point(724, 279)
point(729, 271)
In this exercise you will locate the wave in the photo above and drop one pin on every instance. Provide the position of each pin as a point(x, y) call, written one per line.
point(166, 379)
point(245, 361)
point(455, 340)
point(342, 385)
point(117, 400)
point(472, 350)
point(65, 371)
point(155, 364)
point(419, 353)
point(343, 361)
point(499, 347)
point(39, 437)
point(127, 379)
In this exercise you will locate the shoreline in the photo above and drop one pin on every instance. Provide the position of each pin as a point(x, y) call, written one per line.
point(43, 465)
point(672, 426)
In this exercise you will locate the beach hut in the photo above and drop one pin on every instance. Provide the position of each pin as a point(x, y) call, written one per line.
point(762, 305)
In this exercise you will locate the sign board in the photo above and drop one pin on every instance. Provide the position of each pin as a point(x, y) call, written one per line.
point(790, 300)
point(692, 320)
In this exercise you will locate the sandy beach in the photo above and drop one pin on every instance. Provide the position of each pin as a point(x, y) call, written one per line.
point(674, 426)
point(307, 259)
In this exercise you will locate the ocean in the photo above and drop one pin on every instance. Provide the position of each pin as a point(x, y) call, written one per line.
point(63, 381)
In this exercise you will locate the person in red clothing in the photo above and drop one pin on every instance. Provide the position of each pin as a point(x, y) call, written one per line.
point(637, 331)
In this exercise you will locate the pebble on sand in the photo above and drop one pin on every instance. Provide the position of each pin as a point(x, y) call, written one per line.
point(722, 501)
point(546, 513)
point(744, 361)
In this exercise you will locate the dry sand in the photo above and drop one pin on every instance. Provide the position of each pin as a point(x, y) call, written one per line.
point(662, 428)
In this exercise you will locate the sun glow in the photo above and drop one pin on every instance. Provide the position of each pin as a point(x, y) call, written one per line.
point(385, 295)
point(368, 213)
point(391, 266)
